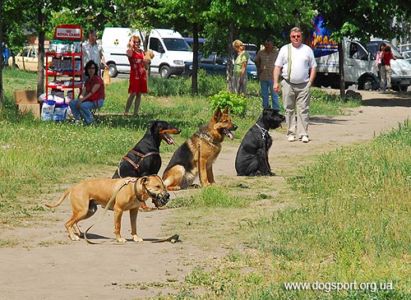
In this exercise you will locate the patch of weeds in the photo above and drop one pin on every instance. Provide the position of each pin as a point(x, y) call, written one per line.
point(234, 256)
point(51, 243)
point(212, 196)
point(254, 278)
point(8, 243)
point(198, 277)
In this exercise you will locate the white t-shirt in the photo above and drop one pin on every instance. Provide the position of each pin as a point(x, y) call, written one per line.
point(302, 60)
point(92, 52)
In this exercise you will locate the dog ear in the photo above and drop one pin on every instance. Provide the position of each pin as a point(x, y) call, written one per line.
point(144, 180)
point(217, 114)
point(153, 125)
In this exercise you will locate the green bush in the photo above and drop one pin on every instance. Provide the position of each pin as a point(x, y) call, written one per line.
point(223, 99)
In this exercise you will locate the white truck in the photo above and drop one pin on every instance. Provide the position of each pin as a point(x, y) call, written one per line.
point(358, 65)
point(170, 49)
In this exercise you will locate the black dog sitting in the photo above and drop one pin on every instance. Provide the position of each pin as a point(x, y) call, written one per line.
point(252, 156)
point(144, 159)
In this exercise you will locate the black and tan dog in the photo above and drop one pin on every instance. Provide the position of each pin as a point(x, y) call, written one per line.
point(252, 155)
point(128, 194)
point(198, 153)
point(144, 159)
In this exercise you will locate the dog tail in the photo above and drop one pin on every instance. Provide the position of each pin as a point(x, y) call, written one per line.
point(60, 200)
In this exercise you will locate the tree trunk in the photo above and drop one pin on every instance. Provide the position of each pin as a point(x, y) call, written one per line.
point(230, 66)
point(41, 17)
point(341, 68)
point(194, 77)
point(1, 57)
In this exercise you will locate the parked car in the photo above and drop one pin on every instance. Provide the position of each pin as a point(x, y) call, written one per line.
point(26, 60)
point(252, 49)
point(217, 65)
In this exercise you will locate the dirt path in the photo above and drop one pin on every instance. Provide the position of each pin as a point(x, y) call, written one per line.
point(39, 262)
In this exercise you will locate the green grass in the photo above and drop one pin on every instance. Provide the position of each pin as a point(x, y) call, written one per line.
point(210, 197)
point(352, 224)
point(36, 155)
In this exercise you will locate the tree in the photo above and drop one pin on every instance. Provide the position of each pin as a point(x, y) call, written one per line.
point(191, 13)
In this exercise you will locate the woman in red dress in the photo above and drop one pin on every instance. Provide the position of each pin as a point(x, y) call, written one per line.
point(138, 74)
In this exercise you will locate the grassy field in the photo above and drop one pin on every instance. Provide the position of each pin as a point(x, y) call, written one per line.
point(350, 222)
point(350, 226)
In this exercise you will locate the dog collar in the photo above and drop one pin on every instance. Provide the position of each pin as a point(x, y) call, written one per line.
point(136, 191)
point(206, 137)
point(264, 131)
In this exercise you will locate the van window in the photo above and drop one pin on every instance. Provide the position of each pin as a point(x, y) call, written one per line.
point(175, 44)
point(155, 45)
point(358, 52)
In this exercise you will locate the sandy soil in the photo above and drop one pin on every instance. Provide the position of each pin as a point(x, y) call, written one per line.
point(39, 262)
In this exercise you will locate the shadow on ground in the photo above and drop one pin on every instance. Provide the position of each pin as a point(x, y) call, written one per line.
point(402, 100)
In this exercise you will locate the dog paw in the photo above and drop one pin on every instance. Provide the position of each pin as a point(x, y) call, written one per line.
point(74, 237)
point(136, 238)
point(121, 240)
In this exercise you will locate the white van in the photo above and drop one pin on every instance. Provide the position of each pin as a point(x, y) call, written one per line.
point(169, 47)
point(358, 65)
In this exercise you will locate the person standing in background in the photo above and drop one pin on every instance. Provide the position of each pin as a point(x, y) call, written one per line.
point(138, 74)
point(264, 61)
point(380, 64)
point(93, 51)
point(240, 68)
point(297, 64)
point(386, 61)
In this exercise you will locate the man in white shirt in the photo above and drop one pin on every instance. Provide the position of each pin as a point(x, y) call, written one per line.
point(93, 51)
point(296, 63)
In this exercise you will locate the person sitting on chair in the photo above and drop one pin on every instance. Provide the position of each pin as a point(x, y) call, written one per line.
point(92, 96)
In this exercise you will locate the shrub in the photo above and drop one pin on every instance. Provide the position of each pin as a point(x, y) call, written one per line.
point(236, 103)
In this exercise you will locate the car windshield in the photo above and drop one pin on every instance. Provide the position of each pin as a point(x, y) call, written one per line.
point(373, 48)
point(176, 44)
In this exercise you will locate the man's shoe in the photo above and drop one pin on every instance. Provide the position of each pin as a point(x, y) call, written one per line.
point(291, 138)
point(305, 139)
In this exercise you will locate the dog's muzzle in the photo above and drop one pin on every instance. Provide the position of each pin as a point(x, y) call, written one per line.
point(161, 199)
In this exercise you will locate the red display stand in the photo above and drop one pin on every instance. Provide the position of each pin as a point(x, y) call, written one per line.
point(64, 65)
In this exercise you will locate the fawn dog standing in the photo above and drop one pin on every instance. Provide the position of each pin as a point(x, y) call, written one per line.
point(128, 194)
point(198, 153)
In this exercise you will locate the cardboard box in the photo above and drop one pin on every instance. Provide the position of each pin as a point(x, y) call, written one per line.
point(25, 97)
point(30, 108)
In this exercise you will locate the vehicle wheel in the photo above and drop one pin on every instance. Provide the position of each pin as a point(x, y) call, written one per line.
point(403, 88)
point(112, 70)
point(368, 83)
point(165, 71)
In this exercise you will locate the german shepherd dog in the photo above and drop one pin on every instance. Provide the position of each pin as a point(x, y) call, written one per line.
point(197, 155)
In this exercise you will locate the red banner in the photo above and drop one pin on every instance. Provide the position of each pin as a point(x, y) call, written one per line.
point(68, 32)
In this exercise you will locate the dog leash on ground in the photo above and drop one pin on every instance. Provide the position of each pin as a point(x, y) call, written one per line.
point(172, 239)
point(113, 197)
